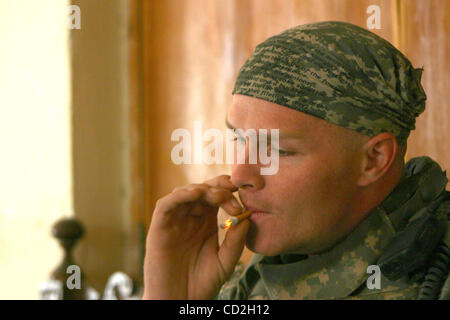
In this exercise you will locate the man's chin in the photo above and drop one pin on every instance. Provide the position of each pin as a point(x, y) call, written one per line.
point(256, 242)
point(264, 247)
point(261, 248)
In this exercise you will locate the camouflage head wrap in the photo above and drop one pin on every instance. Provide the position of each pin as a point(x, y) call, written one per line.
point(338, 72)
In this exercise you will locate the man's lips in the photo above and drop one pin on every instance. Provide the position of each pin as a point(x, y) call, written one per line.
point(254, 209)
point(256, 213)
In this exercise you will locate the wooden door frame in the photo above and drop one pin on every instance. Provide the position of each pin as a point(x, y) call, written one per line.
point(138, 133)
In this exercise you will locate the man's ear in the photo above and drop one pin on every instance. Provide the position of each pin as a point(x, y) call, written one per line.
point(379, 154)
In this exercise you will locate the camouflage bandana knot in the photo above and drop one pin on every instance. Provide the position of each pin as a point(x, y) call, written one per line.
point(338, 72)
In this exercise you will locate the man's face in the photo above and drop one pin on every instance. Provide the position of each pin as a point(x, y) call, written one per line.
point(309, 203)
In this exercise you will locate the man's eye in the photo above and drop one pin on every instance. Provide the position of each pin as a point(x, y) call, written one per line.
point(282, 153)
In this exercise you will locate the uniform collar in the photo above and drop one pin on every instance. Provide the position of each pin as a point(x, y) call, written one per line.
point(342, 269)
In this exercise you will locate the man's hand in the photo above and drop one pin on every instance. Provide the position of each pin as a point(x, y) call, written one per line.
point(183, 259)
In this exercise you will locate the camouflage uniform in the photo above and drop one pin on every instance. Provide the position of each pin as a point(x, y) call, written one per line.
point(341, 272)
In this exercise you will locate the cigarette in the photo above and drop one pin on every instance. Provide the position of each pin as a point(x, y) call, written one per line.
point(235, 220)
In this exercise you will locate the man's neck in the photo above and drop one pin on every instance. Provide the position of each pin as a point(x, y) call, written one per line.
point(373, 195)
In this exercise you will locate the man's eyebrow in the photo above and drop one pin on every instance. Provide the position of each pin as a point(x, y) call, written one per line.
point(281, 135)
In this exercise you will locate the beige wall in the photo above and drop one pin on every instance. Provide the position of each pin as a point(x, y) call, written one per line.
point(100, 138)
point(425, 41)
point(35, 141)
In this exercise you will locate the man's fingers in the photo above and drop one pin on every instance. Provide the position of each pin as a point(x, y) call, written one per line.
point(232, 206)
point(177, 198)
point(229, 203)
point(233, 245)
point(222, 190)
point(223, 181)
point(200, 193)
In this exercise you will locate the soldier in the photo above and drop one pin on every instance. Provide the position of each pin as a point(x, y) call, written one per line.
point(344, 101)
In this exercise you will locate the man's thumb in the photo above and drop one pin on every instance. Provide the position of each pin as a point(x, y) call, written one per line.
point(233, 245)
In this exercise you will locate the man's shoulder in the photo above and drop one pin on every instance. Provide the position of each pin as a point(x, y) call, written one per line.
point(444, 211)
point(230, 289)
point(244, 283)
point(431, 279)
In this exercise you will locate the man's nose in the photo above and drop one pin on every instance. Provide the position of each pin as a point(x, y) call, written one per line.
point(247, 175)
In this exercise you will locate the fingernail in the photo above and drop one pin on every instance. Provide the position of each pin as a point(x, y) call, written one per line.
point(235, 203)
point(214, 189)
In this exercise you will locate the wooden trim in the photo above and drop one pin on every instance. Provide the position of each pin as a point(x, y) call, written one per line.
point(395, 11)
point(398, 33)
point(137, 127)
